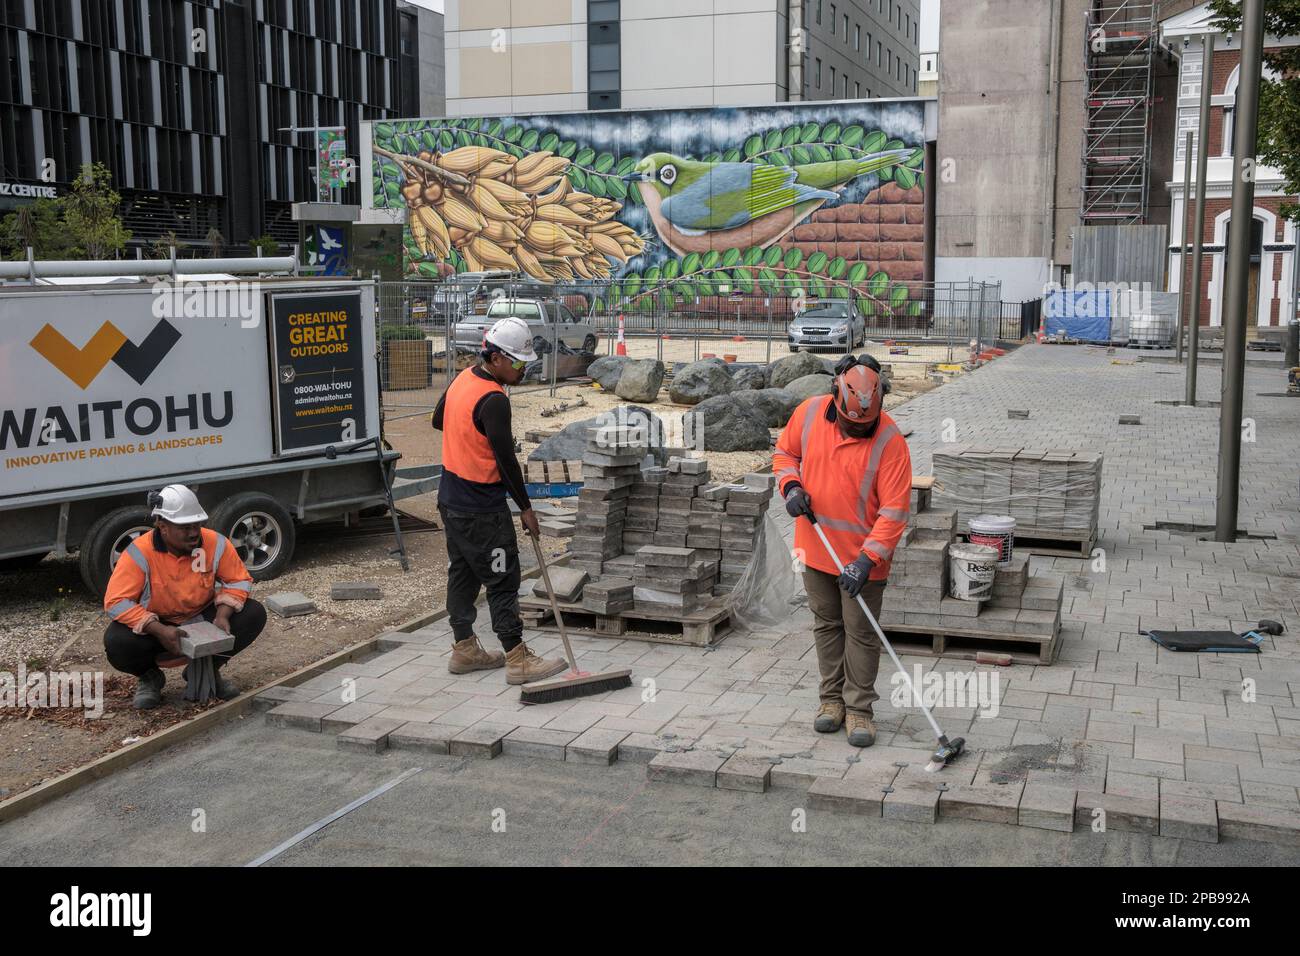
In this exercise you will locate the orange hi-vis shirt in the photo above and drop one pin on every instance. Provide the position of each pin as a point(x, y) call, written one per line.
point(149, 583)
point(861, 488)
point(466, 451)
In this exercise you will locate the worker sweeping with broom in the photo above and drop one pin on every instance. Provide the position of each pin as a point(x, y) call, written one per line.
point(479, 470)
point(843, 456)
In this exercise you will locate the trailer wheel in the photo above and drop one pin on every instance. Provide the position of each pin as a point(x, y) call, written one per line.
point(261, 530)
point(107, 540)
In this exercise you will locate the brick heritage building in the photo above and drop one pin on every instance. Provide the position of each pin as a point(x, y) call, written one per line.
point(1273, 240)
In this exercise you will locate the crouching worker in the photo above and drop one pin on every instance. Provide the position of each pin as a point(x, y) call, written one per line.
point(179, 573)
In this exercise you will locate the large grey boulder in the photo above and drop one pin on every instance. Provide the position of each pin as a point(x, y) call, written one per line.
point(785, 370)
point(640, 381)
point(570, 443)
point(773, 406)
point(607, 370)
point(750, 377)
point(810, 386)
point(728, 426)
point(700, 380)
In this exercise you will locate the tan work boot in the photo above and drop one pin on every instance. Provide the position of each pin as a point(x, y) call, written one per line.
point(830, 717)
point(468, 656)
point(524, 667)
point(862, 731)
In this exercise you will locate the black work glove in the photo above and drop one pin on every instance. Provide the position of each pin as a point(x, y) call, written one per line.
point(798, 503)
point(855, 576)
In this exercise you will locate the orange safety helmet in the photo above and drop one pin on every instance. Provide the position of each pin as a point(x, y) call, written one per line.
point(859, 394)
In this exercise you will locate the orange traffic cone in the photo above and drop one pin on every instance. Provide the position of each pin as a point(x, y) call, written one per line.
point(621, 348)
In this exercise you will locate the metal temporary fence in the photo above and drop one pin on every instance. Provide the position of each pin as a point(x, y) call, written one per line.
point(417, 320)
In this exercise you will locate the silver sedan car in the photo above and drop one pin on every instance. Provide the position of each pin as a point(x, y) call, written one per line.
point(835, 324)
point(549, 319)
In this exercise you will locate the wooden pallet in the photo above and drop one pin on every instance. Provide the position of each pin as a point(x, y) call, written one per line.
point(553, 472)
point(966, 643)
point(1066, 544)
point(699, 628)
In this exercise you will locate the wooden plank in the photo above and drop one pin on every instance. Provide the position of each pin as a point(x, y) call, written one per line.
point(922, 482)
point(699, 628)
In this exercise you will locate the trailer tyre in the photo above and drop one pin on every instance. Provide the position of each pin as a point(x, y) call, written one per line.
point(261, 530)
point(105, 542)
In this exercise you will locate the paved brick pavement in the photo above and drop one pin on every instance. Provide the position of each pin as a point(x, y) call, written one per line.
point(1197, 744)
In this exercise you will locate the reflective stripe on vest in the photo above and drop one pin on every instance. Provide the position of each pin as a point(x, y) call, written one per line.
point(466, 452)
point(135, 554)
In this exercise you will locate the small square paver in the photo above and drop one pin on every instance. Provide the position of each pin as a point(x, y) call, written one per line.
point(349, 715)
point(697, 768)
point(642, 748)
point(290, 604)
point(427, 738)
point(479, 740)
point(745, 772)
point(912, 804)
point(1047, 807)
point(1189, 818)
point(537, 742)
point(1121, 812)
point(1264, 824)
point(595, 745)
point(799, 773)
point(369, 736)
point(355, 591)
point(851, 796)
point(991, 802)
point(301, 714)
point(281, 694)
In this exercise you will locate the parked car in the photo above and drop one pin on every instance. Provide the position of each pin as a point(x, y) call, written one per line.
point(471, 292)
point(832, 324)
point(550, 319)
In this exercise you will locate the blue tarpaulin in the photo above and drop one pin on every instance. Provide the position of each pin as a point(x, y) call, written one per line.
point(1078, 315)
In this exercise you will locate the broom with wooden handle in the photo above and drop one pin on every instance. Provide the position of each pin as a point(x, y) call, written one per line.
point(575, 683)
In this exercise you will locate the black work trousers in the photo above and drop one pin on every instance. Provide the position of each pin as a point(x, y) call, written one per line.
point(483, 551)
point(133, 653)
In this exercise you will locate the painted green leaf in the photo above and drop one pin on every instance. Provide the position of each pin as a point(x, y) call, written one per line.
point(744, 280)
point(429, 140)
point(887, 174)
point(577, 177)
point(495, 128)
point(920, 181)
point(818, 288)
point(691, 264)
point(710, 158)
point(672, 268)
point(905, 178)
point(631, 284)
point(585, 156)
point(711, 259)
point(858, 273)
point(782, 159)
point(753, 256)
point(464, 138)
point(772, 256)
point(753, 145)
point(383, 130)
point(515, 151)
point(877, 285)
point(914, 310)
point(615, 188)
point(475, 124)
point(874, 142)
point(567, 149)
point(446, 140)
point(792, 258)
point(800, 155)
point(895, 144)
point(651, 276)
point(394, 194)
point(529, 140)
point(820, 154)
point(730, 258)
point(514, 134)
point(633, 195)
point(597, 185)
point(549, 142)
point(898, 295)
point(625, 165)
point(402, 127)
point(666, 299)
point(810, 132)
point(916, 160)
point(842, 153)
point(831, 133)
point(773, 140)
point(840, 291)
point(767, 279)
point(604, 162)
point(816, 262)
point(836, 269)
point(852, 136)
point(731, 156)
point(790, 136)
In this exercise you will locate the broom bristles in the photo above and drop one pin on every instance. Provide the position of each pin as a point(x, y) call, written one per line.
point(548, 692)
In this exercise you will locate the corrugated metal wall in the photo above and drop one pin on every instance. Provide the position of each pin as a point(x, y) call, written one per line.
point(1129, 254)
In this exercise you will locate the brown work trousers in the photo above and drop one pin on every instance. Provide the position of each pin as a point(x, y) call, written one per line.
point(848, 649)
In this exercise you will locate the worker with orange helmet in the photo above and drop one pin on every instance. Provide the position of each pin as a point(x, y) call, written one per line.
point(842, 460)
point(479, 471)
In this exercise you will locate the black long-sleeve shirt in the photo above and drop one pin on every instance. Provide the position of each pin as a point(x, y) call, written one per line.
point(492, 419)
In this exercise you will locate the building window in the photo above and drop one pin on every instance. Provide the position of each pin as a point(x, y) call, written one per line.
point(857, 37)
point(844, 87)
point(857, 91)
point(832, 19)
point(868, 48)
point(832, 81)
point(819, 73)
point(880, 56)
point(819, 13)
point(846, 27)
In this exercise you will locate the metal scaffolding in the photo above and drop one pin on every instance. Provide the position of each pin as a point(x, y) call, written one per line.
point(1120, 44)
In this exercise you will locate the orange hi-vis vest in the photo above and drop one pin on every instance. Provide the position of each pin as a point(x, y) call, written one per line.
point(150, 583)
point(466, 452)
point(861, 488)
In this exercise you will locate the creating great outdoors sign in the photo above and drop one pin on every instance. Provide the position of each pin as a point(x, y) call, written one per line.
point(117, 385)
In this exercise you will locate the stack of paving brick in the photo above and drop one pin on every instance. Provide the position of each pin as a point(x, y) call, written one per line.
point(1055, 491)
point(676, 580)
point(642, 519)
point(1023, 603)
point(918, 579)
point(609, 595)
point(742, 522)
point(611, 465)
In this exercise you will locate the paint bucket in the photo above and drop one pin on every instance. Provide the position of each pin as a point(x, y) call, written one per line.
point(996, 531)
point(972, 567)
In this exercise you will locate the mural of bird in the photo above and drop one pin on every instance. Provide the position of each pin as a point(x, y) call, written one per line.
point(697, 206)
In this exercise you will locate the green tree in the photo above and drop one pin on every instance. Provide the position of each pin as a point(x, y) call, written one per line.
point(40, 225)
point(91, 213)
point(216, 242)
point(1279, 99)
point(266, 243)
point(161, 248)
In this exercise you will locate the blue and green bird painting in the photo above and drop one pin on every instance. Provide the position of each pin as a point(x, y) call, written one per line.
point(697, 206)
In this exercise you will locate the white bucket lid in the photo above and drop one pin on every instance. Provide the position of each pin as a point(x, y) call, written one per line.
point(993, 524)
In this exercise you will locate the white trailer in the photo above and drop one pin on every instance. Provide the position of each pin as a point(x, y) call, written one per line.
point(255, 392)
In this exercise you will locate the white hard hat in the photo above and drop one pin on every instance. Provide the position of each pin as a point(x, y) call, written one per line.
point(512, 336)
point(179, 505)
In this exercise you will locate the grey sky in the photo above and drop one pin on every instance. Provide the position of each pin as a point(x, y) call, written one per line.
point(929, 25)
